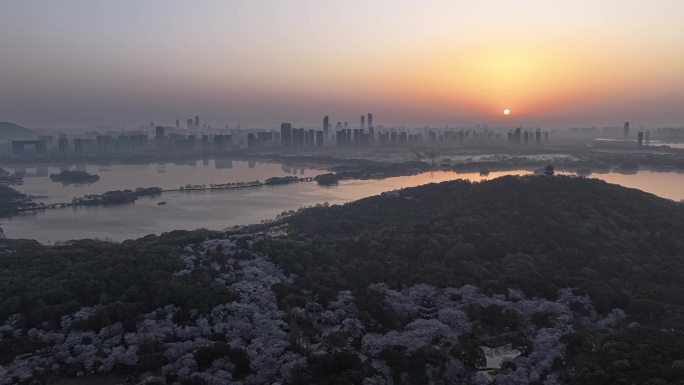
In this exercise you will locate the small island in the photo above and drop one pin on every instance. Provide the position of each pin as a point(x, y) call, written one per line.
point(74, 177)
point(116, 197)
point(281, 180)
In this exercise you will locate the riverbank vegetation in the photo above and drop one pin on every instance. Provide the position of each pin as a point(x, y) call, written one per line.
point(12, 201)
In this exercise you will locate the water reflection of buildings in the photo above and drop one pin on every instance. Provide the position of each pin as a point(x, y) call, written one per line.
point(185, 162)
point(41, 171)
point(251, 163)
point(32, 172)
point(223, 163)
point(286, 169)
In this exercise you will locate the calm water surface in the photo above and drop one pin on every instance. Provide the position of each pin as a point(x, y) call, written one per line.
point(220, 209)
point(164, 175)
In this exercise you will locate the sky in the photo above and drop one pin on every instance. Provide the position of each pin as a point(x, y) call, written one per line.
point(84, 63)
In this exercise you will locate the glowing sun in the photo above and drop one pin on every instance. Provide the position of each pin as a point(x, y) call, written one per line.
point(507, 112)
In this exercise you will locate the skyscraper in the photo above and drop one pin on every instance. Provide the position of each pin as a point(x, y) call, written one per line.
point(286, 134)
point(197, 122)
point(63, 144)
point(517, 135)
point(626, 129)
point(370, 119)
point(159, 135)
point(363, 122)
point(326, 127)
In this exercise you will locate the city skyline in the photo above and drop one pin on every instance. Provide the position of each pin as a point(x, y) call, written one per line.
point(79, 64)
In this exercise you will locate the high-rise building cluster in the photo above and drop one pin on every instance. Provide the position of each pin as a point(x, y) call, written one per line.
point(367, 134)
point(520, 136)
point(342, 134)
point(192, 124)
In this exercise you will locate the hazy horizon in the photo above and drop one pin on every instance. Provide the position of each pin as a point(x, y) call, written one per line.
point(82, 64)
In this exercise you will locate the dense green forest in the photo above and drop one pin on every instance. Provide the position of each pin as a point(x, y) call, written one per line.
point(46, 282)
point(622, 247)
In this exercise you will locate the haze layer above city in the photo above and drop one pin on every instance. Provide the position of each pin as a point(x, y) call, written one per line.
point(83, 64)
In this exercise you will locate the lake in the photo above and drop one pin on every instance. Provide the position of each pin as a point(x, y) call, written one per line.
point(221, 209)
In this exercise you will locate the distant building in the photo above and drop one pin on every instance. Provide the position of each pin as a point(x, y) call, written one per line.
point(297, 137)
point(626, 130)
point(19, 146)
point(312, 138)
point(517, 135)
point(138, 140)
point(63, 144)
point(252, 140)
point(286, 134)
point(363, 122)
point(159, 136)
point(265, 139)
point(369, 120)
point(104, 142)
point(326, 126)
point(79, 145)
point(223, 142)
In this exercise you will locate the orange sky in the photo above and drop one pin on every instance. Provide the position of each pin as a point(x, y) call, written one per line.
point(415, 62)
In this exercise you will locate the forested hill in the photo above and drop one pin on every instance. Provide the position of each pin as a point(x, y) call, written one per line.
point(622, 246)
point(11, 131)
